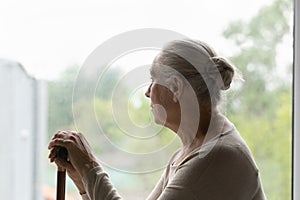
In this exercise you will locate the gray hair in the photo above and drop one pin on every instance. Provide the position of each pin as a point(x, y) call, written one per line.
point(199, 65)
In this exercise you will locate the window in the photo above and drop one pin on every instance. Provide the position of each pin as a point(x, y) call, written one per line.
point(52, 41)
point(296, 174)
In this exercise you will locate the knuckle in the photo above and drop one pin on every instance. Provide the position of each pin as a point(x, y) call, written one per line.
point(72, 137)
point(60, 134)
point(73, 133)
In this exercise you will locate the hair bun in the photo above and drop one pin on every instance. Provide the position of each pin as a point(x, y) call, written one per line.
point(226, 69)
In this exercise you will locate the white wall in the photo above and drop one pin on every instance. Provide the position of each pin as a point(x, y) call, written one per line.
point(22, 132)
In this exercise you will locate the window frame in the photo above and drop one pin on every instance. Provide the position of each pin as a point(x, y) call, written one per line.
point(296, 104)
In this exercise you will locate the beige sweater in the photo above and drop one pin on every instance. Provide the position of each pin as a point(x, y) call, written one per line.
point(221, 169)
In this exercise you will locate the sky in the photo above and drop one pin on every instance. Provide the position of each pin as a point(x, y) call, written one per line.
point(46, 37)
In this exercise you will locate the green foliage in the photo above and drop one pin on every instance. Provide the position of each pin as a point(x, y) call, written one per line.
point(270, 142)
point(261, 108)
point(60, 101)
point(95, 118)
point(258, 41)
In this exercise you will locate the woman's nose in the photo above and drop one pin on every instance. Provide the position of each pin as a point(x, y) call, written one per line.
point(147, 93)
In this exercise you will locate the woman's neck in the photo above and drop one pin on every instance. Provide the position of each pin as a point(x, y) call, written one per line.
point(192, 131)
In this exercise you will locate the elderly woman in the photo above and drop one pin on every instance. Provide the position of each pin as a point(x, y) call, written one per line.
point(214, 162)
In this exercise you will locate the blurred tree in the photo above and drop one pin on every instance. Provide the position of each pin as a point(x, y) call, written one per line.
point(60, 101)
point(60, 115)
point(257, 43)
point(261, 109)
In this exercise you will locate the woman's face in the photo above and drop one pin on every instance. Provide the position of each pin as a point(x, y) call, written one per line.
point(162, 105)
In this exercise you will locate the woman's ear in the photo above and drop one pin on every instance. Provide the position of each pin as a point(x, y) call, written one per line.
point(176, 87)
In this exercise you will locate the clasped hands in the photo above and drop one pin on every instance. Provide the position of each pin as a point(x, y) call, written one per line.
point(80, 157)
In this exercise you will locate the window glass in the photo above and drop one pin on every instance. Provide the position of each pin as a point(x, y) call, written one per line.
point(45, 46)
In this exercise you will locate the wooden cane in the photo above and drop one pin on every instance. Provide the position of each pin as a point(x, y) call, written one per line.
point(61, 176)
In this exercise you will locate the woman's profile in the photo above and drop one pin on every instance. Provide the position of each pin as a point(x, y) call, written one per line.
point(214, 162)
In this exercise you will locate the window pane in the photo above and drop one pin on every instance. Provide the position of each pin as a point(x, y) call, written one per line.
point(58, 37)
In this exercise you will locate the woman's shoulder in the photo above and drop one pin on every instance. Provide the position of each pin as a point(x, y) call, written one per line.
point(233, 144)
point(228, 167)
point(227, 156)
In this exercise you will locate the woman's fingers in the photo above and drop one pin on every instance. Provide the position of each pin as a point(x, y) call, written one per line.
point(67, 138)
point(62, 134)
point(79, 151)
point(63, 164)
point(59, 142)
point(53, 154)
point(59, 134)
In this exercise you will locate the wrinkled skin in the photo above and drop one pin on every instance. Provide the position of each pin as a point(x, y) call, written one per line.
point(80, 157)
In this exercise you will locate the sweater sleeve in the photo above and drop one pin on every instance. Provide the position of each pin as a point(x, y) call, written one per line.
point(98, 186)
